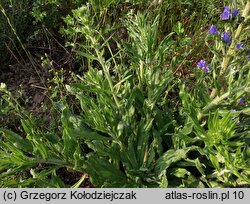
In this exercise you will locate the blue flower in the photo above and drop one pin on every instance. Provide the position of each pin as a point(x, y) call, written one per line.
point(235, 13)
point(213, 30)
point(242, 101)
point(201, 63)
point(226, 37)
point(203, 66)
point(239, 46)
point(226, 13)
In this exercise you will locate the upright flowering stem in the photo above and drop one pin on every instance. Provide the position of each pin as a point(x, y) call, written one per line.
point(212, 104)
point(105, 70)
point(231, 50)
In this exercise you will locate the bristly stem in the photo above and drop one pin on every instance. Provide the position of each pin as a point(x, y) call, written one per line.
point(212, 104)
point(231, 50)
point(106, 71)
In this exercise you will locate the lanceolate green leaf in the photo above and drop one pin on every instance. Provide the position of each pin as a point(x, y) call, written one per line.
point(170, 157)
point(75, 127)
point(17, 140)
point(104, 173)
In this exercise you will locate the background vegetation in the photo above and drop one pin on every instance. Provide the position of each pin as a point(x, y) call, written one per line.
point(131, 93)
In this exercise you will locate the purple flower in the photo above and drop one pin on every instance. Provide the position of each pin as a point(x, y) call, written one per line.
point(201, 63)
point(226, 13)
point(213, 30)
point(235, 13)
point(203, 66)
point(242, 101)
point(239, 46)
point(226, 37)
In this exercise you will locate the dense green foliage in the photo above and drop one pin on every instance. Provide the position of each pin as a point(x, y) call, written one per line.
point(138, 111)
point(18, 18)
